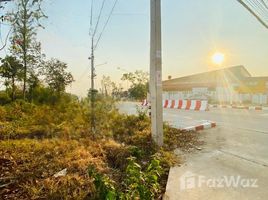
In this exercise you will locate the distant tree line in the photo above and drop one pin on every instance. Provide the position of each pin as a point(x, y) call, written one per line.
point(28, 75)
point(136, 86)
point(139, 84)
point(25, 71)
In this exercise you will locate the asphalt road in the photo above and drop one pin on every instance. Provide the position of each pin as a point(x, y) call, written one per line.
point(256, 121)
point(237, 148)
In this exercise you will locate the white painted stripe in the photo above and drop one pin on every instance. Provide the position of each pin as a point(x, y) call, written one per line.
point(184, 104)
point(176, 104)
point(204, 105)
point(207, 125)
point(193, 105)
point(169, 103)
point(144, 103)
point(190, 128)
point(251, 107)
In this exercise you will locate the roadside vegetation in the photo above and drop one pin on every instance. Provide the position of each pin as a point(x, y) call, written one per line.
point(47, 148)
point(120, 161)
point(137, 83)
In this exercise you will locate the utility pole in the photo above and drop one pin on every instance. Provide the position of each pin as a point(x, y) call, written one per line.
point(156, 74)
point(92, 92)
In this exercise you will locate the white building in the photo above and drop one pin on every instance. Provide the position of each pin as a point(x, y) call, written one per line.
point(229, 85)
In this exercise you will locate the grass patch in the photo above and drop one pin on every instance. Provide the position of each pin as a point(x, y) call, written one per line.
point(39, 141)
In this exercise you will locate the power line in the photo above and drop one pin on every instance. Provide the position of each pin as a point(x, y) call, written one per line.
point(265, 5)
point(255, 7)
point(257, 10)
point(92, 58)
point(262, 9)
point(91, 16)
point(99, 17)
point(105, 25)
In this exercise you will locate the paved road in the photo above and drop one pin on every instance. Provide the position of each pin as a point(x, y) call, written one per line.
point(237, 148)
point(241, 119)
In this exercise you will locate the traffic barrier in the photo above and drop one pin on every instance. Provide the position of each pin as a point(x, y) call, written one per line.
point(197, 105)
point(145, 102)
point(203, 126)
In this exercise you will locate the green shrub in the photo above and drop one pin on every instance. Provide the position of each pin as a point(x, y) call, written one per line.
point(104, 186)
point(138, 183)
point(4, 98)
point(142, 184)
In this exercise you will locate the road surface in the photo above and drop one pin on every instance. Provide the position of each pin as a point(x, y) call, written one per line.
point(236, 150)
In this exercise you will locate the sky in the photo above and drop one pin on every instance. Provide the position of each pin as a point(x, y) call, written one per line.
point(192, 30)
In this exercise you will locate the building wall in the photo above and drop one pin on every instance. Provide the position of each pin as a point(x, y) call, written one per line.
point(229, 85)
point(220, 95)
point(260, 99)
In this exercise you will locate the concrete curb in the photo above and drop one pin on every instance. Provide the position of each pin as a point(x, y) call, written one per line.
point(203, 126)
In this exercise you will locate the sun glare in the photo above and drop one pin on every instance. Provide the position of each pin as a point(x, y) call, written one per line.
point(218, 58)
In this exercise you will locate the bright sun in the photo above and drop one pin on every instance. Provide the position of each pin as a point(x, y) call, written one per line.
point(218, 58)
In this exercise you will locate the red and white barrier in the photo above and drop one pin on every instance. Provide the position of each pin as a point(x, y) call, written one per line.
point(186, 104)
point(145, 103)
point(203, 126)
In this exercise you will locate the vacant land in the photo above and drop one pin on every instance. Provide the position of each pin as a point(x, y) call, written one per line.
point(118, 161)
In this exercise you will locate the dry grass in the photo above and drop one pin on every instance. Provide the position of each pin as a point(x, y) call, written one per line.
point(31, 164)
point(39, 141)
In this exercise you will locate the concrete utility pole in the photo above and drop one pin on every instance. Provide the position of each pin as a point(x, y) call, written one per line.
point(92, 92)
point(156, 73)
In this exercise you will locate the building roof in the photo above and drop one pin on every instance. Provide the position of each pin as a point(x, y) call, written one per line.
point(223, 77)
point(258, 78)
point(238, 71)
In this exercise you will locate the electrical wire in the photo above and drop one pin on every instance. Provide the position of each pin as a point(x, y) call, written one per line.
point(257, 9)
point(105, 25)
point(254, 7)
point(262, 7)
point(98, 20)
point(260, 10)
point(91, 17)
point(264, 4)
